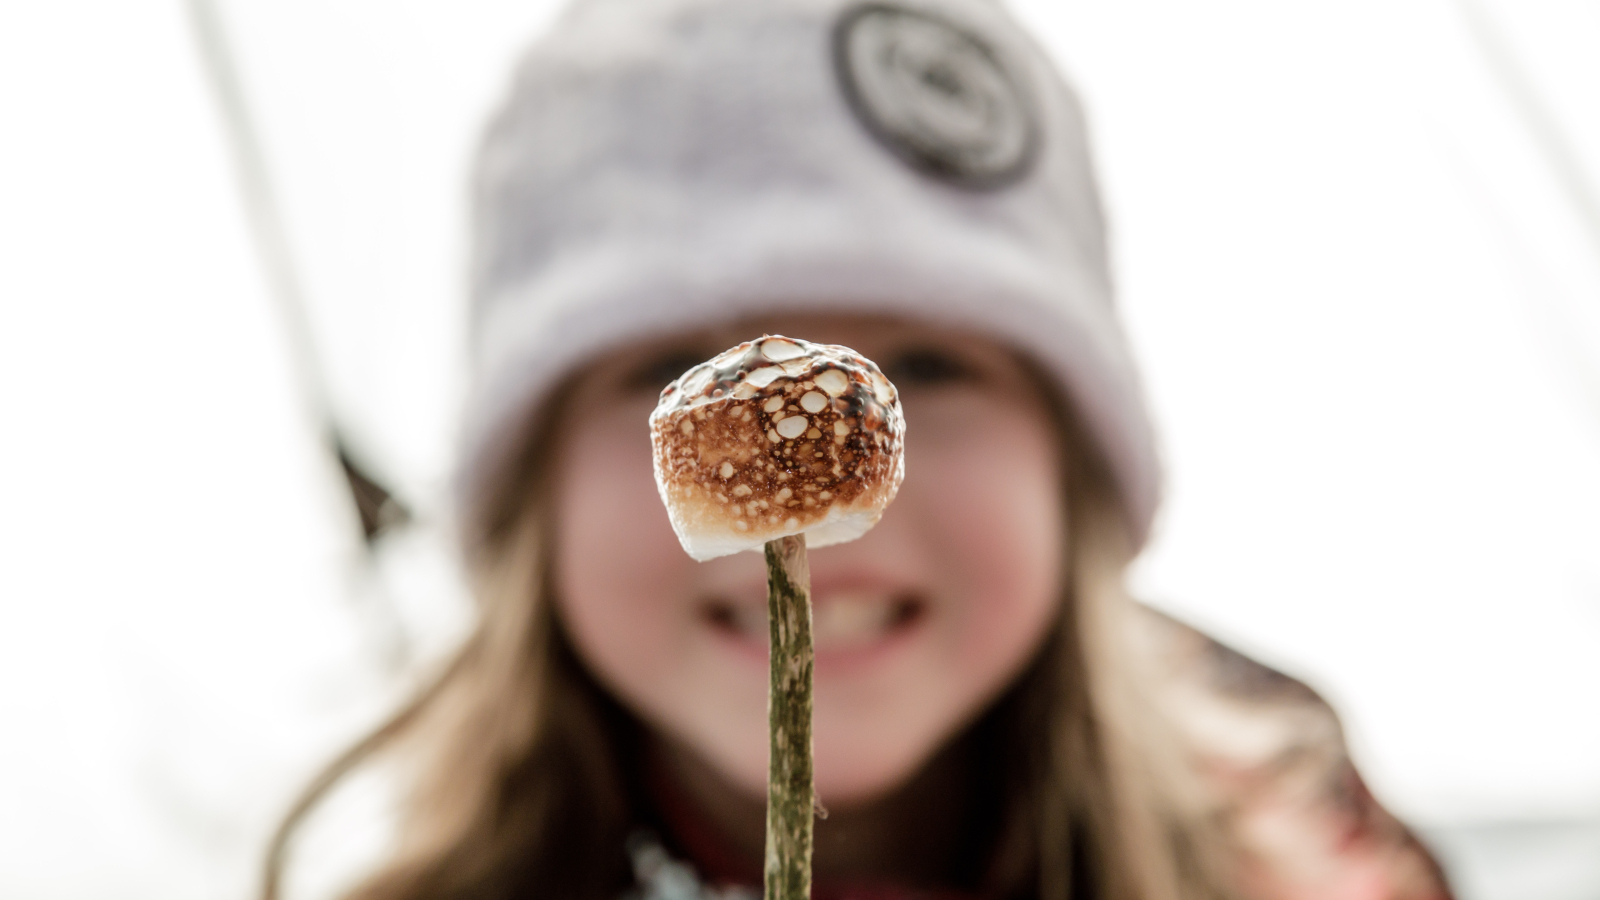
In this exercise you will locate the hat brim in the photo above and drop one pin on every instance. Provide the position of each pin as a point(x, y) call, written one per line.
point(789, 254)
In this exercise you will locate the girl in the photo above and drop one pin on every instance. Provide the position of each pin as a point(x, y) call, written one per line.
point(993, 717)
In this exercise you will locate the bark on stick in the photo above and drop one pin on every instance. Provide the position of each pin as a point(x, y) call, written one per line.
point(790, 794)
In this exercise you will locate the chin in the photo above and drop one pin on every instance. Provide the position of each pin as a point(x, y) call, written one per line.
point(851, 772)
point(864, 768)
point(743, 768)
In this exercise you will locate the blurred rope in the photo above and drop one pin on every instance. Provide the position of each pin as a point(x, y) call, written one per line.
point(375, 505)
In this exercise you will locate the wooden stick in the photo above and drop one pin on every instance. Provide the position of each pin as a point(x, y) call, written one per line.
point(790, 794)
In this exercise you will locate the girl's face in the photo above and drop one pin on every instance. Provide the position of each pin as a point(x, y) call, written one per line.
point(917, 625)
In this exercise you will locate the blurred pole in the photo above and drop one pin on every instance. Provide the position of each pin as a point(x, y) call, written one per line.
point(376, 507)
point(1553, 145)
point(1547, 134)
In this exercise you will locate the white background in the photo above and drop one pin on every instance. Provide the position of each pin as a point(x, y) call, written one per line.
point(1355, 254)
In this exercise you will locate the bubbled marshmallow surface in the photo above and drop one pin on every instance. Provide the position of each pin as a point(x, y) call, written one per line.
point(774, 437)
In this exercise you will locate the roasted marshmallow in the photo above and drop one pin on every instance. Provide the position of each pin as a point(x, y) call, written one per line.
point(775, 437)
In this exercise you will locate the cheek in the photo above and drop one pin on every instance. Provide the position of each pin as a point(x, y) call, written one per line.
point(627, 595)
point(988, 494)
point(617, 560)
point(979, 522)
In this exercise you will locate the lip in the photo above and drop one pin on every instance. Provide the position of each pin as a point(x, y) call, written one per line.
point(907, 610)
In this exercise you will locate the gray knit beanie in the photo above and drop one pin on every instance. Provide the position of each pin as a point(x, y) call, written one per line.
point(664, 165)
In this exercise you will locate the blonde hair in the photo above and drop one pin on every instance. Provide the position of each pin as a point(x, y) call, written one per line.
point(524, 783)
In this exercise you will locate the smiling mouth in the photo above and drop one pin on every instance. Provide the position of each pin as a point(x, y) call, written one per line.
point(839, 621)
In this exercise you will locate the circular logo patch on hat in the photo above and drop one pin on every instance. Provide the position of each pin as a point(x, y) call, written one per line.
point(935, 94)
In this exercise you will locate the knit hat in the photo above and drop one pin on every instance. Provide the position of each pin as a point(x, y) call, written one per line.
point(661, 166)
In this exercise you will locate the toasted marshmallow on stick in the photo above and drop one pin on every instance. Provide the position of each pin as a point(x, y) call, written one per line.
point(777, 437)
point(774, 444)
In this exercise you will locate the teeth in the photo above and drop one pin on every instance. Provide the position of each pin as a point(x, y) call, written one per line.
point(850, 621)
point(843, 622)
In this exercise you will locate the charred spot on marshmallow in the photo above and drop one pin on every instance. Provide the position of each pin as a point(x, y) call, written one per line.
point(813, 430)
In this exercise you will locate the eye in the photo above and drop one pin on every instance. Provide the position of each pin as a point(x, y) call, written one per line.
point(925, 366)
point(660, 370)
